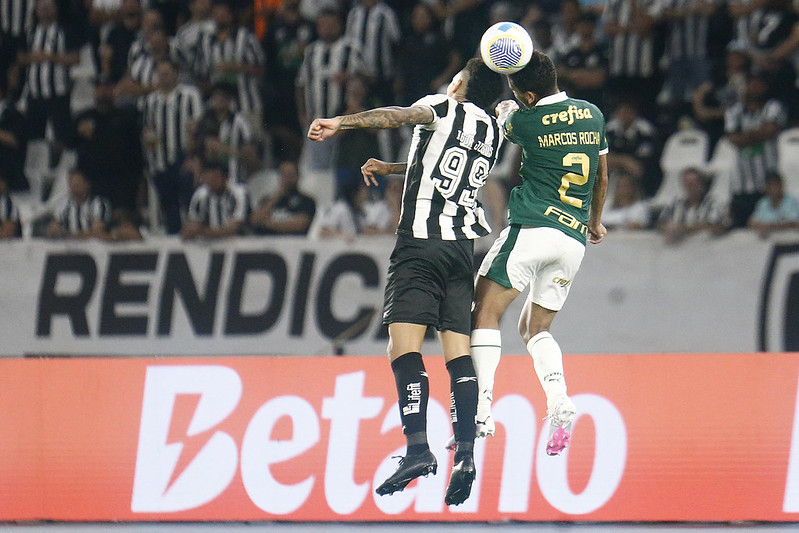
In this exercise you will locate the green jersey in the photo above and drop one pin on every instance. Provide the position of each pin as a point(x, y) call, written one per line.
point(561, 140)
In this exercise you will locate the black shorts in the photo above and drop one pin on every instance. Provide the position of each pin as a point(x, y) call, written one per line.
point(431, 282)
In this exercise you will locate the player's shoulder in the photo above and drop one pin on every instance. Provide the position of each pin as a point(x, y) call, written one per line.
point(590, 107)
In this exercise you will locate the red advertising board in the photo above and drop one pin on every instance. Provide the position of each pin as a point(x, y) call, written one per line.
point(665, 437)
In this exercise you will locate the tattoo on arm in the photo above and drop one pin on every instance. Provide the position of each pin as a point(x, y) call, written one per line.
point(387, 117)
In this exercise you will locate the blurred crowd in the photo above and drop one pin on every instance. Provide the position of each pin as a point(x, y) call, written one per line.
point(122, 118)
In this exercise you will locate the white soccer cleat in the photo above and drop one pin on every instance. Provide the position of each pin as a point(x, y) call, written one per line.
point(484, 420)
point(560, 416)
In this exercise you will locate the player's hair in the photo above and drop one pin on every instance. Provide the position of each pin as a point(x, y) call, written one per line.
point(483, 85)
point(538, 76)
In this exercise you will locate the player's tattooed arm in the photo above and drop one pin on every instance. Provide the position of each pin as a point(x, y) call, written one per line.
point(387, 117)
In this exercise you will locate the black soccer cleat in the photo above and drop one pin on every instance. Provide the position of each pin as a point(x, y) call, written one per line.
point(460, 481)
point(410, 467)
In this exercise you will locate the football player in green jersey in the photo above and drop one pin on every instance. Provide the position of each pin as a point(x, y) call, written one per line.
point(556, 209)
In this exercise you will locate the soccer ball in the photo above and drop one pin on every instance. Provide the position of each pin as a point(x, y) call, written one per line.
point(506, 47)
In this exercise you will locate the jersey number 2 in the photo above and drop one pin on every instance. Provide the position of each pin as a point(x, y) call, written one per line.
point(572, 178)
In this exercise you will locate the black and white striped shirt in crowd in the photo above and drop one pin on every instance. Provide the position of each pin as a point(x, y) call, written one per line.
point(188, 40)
point(235, 132)
point(631, 55)
point(448, 161)
point(746, 25)
point(47, 79)
point(679, 212)
point(324, 95)
point(688, 35)
point(143, 70)
point(377, 31)
point(8, 210)
point(241, 48)
point(16, 17)
point(219, 210)
point(168, 116)
point(80, 217)
point(756, 160)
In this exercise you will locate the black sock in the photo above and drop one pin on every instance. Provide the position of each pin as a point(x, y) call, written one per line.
point(413, 391)
point(463, 383)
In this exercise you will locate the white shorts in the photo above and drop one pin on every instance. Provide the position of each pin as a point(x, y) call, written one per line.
point(544, 258)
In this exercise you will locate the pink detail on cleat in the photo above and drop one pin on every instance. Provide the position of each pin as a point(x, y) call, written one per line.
point(559, 441)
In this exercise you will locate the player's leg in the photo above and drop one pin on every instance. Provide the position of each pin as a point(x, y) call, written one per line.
point(412, 300)
point(494, 292)
point(553, 279)
point(455, 324)
point(463, 406)
point(413, 391)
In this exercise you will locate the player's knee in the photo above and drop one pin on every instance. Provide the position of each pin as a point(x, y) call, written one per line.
point(528, 329)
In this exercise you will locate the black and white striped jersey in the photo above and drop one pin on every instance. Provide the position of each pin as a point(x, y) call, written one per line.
point(687, 38)
point(377, 31)
point(324, 93)
point(679, 212)
point(8, 210)
point(448, 161)
point(45, 78)
point(235, 132)
point(753, 162)
point(16, 17)
point(241, 48)
point(77, 217)
point(745, 26)
point(167, 116)
point(631, 55)
point(218, 210)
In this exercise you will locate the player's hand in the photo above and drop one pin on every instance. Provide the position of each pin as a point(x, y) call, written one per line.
point(596, 233)
point(506, 107)
point(374, 166)
point(323, 128)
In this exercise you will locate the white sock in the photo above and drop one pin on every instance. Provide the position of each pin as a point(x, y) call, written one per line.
point(548, 362)
point(486, 351)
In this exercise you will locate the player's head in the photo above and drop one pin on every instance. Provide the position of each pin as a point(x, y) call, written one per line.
point(477, 83)
point(535, 81)
point(214, 175)
point(79, 185)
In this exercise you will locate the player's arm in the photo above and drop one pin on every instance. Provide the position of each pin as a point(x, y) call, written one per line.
point(375, 166)
point(381, 118)
point(596, 231)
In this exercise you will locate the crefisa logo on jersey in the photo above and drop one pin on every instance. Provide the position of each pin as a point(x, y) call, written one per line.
point(779, 302)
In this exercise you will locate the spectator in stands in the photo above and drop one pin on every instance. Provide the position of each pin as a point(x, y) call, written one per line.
point(9, 214)
point(110, 152)
point(565, 32)
point(687, 29)
point(142, 76)
point(84, 215)
point(775, 210)
point(233, 54)
point(726, 88)
point(218, 207)
point(354, 146)
point(420, 78)
point(16, 25)
point(190, 35)
point(226, 134)
point(626, 210)
point(328, 63)
point(752, 126)
point(775, 43)
point(13, 145)
point(583, 69)
point(170, 115)
point(693, 212)
point(373, 24)
point(345, 218)
point(286, 38)
point(467, 20)
point(113, 51)
point(633, 147)
point(630, 27)
point(541, 32)
point(287, 211)
point(746, 16)
point(382, 215)
point(51, 51)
